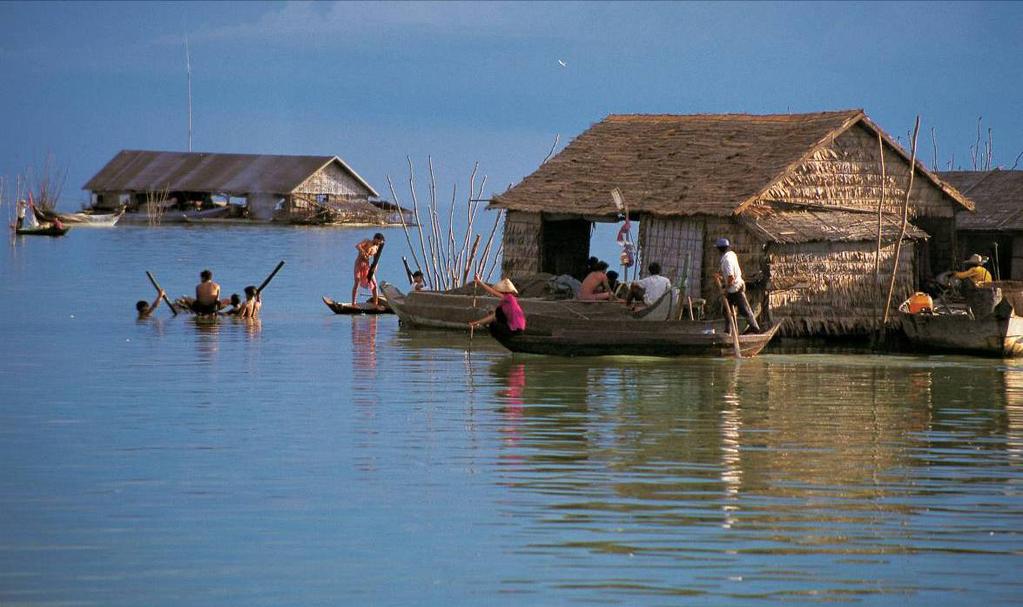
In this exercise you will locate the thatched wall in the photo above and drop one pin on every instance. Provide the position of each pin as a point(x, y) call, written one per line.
point(677, 244)
point(847, 173)
point(333, 180)
point(521, 243)
point(826, 288)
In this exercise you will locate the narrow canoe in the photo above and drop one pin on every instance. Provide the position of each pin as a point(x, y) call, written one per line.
point(82, 220)
point(364, 308)
point(50, 230)
point(999, 335)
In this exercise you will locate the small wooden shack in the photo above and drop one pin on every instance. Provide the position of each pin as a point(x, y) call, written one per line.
point(996, 229)
point(797, 194)
point(288, 186)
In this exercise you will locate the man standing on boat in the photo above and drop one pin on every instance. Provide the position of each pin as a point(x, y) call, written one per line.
point(735, 288)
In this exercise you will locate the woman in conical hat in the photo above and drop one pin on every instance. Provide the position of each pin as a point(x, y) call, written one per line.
point(975, 271)
point(508, 317)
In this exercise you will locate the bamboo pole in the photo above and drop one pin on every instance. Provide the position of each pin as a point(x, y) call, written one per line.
point(877, 256)
point(419, 224)
point(404, 225)
point(905, 222)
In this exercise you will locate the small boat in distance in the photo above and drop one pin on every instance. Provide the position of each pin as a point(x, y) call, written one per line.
point(81, 220)
point(338, 307)
point(46, 229)
point(633, 338)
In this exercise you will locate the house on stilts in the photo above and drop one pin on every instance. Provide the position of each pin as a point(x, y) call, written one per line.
point(996, 229)
point(796, 194)
point(294, 189)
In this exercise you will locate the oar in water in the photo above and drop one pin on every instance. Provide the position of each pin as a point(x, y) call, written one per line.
point(733, 324)
point(269, 278)
point(156, 286)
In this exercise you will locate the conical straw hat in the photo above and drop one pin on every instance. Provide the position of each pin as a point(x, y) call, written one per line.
point(506, 286)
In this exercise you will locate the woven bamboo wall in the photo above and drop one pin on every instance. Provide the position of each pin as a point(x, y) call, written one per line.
point(676, 244)
point(829, 288)
point(848, 173)
point(521, 243)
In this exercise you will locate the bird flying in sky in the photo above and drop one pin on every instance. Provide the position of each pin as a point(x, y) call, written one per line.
point(562, 63)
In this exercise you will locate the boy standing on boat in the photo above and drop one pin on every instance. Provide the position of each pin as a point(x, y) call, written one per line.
point(367, 249)
point(21, 215)
point(735, 288)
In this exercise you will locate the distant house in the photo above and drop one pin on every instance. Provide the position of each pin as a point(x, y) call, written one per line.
point(288, 185)
point(797, 194)
point(996, 230)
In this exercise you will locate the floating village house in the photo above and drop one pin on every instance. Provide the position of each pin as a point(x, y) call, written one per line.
point(281, 186)
point(996, 229)
point(797, 194)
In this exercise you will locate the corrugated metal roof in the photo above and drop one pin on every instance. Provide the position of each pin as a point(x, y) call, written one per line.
point(998, 195)
point(238, 174)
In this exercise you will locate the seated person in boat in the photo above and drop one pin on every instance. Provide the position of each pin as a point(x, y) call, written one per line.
point(418, 283)
point(649, 289)
point(367, 249)
point(975, 271)
point(507, 319)
point(207, 295)
point(613, 282)
point(145, 309)
point(595, 286)
point(253, 303)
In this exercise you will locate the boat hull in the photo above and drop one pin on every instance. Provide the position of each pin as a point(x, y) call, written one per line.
point(990, 336)
point(47, 231)
point(635, 338)
point(338, 307)
point(436, 310)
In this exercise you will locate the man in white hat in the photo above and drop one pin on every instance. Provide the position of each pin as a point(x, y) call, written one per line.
point(975, 271)
point(731, 280)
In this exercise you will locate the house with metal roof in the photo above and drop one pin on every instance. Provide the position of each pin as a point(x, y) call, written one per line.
point(268, 184)
point(996, 229)
point(798, 195)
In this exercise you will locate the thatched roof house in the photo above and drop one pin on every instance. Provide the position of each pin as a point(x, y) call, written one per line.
point(265, 181)
point(996, 229)
point(797, 194)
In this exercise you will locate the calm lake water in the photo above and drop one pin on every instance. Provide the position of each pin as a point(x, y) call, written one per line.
point(316, 459)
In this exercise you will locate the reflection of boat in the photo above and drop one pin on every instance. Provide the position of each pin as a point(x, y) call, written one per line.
point(986, 324)
point(82, 220)
point(364, 308)
point(631, 338)
point(43, 230)
point(440, 310)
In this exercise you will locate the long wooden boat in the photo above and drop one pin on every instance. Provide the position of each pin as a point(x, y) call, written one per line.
point(46, 230)
point(143, 217)
point(633, 338)
point(962, 329)
point(439, 310)
point(338, 307)
point(81, 220)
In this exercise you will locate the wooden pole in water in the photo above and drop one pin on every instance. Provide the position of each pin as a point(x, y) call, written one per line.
point(905, 222)
point(733, 324)
point(156, 286)
point(270, 277)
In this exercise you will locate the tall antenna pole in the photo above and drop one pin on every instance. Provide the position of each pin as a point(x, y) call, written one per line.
point(188, 68)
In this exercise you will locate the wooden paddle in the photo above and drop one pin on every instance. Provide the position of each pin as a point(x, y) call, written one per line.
point(733, 324)
point(373, 266)
point(269, 278)
point(156, 286)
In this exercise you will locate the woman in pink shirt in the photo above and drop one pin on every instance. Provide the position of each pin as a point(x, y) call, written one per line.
point(507, 318)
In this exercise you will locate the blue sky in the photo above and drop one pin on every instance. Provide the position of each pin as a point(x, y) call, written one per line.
point(481, 81)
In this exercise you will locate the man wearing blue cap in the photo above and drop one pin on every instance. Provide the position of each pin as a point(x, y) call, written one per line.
point(735, 288)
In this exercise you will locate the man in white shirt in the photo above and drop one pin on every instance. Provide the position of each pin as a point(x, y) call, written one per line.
point(735, 288)
point(650, 288)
